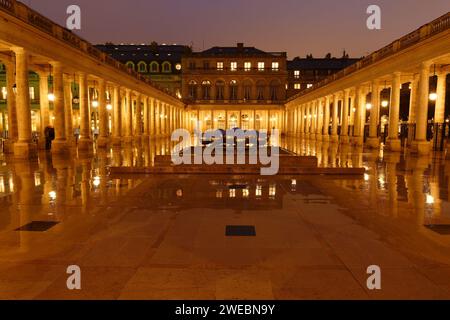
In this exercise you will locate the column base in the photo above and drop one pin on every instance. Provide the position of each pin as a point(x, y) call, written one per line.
point(358, 141)
point(334, 138)
point(344, 139)
point(325, 137)
point(127, 139)
point(373, 142)
point(60, 147)
point(25, 150)
point(85, 145)
point(421, 147)
point(102, 142)
point(318, 137)
point(8, 146)
point(393, 145)
point(116, 141)
point(312, 136)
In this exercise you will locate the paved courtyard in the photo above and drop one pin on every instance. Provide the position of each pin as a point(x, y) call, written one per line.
point(164, 236)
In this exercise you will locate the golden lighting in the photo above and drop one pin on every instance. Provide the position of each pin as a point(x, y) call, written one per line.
point(52, 195)
point(429, 199)
point(96, 181)
point(51, 97)
point(109, 106)
point(95, 103)
point(384, 103)
point(368, 106)
point(433, 96)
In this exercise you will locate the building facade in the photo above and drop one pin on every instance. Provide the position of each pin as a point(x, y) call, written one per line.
point(161, 63)
point(227, 87)
point(303, 73)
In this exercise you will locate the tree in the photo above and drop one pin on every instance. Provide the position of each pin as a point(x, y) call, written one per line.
point(328, 56)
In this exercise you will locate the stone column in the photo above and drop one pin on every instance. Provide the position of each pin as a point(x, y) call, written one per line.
point(312, 120)
point(85, 142)
point(326, 120)
point(373, 141)
point(43, 106)
point(146, 118)
point(334, 125)
point(393, 142)
point(68, 111)
point(12, 108)
point(128, 116)
point(59, 145)
point(344, 126)
point(439, 112)
point(117, 116)
point(358, 138)
point(138, 117)
point(102, 140)
point(157, 118)
point(319, 120)
point(420, 144)
point(152, 117)
point(23, 148)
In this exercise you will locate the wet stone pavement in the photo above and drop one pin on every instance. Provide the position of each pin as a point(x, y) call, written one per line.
point(166, 236)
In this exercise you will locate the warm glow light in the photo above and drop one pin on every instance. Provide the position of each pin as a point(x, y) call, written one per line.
point(51, 97)
point(368, 106)
point(384, 103)
point(52, 195)
point(109, 106)
point(429, 199)
point(95, 103)
point(96, 181)
point(366, 177)
point(433, 96)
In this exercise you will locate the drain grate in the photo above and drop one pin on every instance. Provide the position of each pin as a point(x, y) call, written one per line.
point(240, 231)
point(37, 226)
point(439, 228)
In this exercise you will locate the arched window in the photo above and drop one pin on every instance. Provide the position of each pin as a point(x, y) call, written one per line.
point(166, 67)
point(260, 87)
point(220, 87)
point(274, 88)
point(233, 90)
point(154, 67)
point(193, 89)
point(130, 65)
point(247, 90)
point(142, 67)
point(206, 90)
point(233, 121)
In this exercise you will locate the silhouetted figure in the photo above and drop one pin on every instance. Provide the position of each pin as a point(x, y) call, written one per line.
point(49, 137)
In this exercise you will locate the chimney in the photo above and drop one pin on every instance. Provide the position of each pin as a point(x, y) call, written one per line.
point(240, 46)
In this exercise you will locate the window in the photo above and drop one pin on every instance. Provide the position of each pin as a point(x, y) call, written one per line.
point(274, 88)
point(275, 66)
point(4, 93)
point(166, 67)
point(247, 66)
point(193, 89)
point(220, 66)
point(154, 67)
point(260, 66)
point(206, 65)
point(220, 85)
point(309, 85)
point(297, 74)
point(297, 86)
point(233, 66)
point(247, 90)
point(130, 65)
point(142, 67)
point(233, 90)
point(192, 65)
point(260, 90)
point(31, 89)
point(206, 86)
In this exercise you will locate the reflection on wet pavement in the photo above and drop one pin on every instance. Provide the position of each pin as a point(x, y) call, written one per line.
point(163, 236)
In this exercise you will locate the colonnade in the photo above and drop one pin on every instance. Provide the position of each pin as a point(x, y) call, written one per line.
point(123, 115)
point(342, 116)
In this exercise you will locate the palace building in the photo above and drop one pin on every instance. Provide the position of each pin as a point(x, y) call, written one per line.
point(303, 73)
point(161, 63)
point(226, 87)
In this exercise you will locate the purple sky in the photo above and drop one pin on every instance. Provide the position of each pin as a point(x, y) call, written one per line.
point(296, 26)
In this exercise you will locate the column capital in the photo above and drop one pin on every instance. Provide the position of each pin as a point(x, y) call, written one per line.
point(18, 50)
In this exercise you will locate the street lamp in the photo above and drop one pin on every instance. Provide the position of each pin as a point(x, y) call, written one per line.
point(368, 106)
point(51, 96)
point(384, 103)
point(433, 96)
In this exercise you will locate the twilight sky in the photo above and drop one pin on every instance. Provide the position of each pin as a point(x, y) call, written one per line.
point(296, 26)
